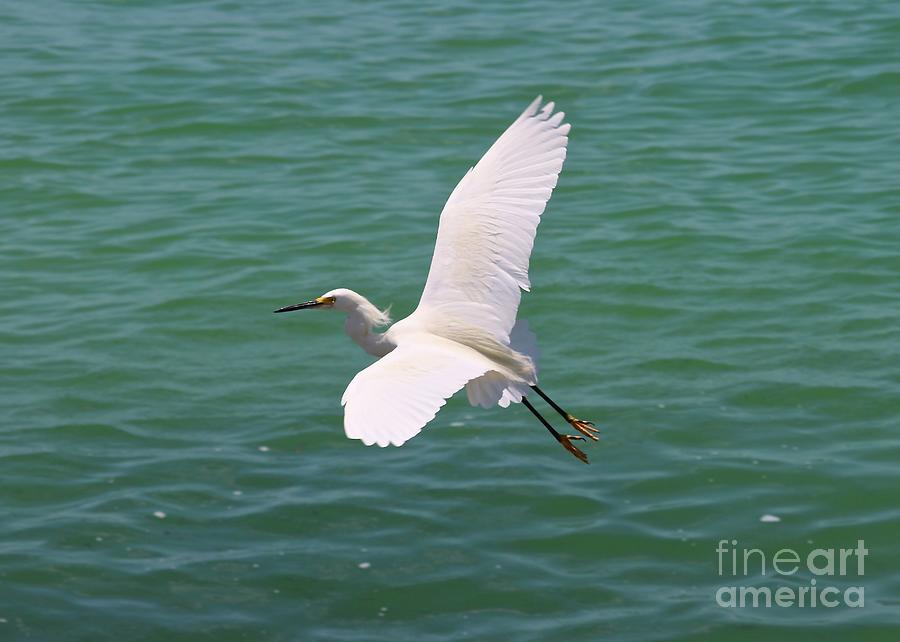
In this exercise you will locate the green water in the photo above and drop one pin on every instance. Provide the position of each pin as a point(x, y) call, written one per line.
point(715, 284)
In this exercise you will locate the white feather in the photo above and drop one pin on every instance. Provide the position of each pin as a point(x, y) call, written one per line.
point(391, 400)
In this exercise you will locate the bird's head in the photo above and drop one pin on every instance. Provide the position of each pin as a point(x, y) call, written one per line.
point(346, 301)
point(327, 301)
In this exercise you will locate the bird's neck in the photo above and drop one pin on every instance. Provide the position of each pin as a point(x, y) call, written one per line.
point(361, 330)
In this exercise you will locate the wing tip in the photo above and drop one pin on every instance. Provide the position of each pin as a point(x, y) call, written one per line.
point(381, 441)
point(544, 111)
point(531, 110)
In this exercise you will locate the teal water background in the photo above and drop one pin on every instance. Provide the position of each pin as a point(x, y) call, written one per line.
point(714, 283)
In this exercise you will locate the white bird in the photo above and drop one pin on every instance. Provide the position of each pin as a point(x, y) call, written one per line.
point(464, 332)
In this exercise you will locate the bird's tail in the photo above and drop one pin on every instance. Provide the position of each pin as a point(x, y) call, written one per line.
point(524, 341)
point(492, 387)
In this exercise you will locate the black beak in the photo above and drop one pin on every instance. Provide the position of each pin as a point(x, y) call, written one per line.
point(300, 306)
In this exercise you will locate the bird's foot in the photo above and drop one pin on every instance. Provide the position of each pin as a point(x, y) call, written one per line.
point(586, 428)
point(566, 441)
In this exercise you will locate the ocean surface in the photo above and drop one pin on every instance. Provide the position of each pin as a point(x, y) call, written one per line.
point(715, 284)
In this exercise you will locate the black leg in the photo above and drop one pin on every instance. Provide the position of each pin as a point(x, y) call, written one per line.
point(586, 428)
point(540, 417)
point(565, 440)
point(551, 402)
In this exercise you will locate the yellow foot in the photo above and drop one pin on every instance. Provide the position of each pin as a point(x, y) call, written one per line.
point(586, 428)
point(566, 441)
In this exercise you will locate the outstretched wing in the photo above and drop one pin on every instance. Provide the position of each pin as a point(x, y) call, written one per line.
point(488, 225)
point(390, 401)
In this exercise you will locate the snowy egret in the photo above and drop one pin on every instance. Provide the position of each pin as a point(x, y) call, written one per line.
point(464, 332)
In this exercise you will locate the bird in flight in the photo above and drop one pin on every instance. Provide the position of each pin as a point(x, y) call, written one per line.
point(464, 332)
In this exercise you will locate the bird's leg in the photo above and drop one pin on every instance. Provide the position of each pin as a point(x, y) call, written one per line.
point(565, 440)
point(586, 428)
